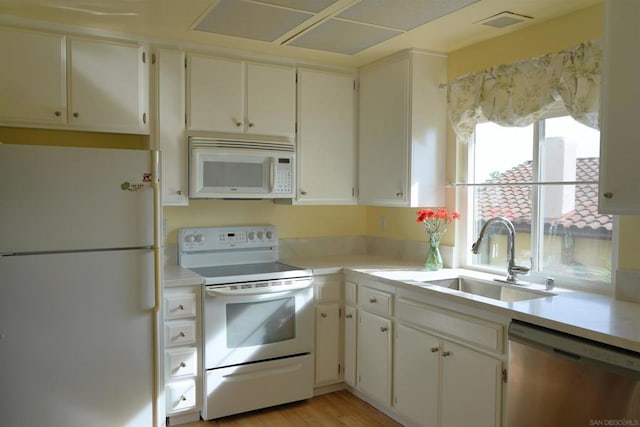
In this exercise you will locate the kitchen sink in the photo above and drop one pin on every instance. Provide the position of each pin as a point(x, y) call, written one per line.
point(491, 289)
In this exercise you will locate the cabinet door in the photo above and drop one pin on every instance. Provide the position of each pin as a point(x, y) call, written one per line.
point(327, 344)
point(326, 142)
point(108, 86)
point(271, 100)
point(416, 375)
point(619, 151)
point(384, 127)
point(374, 357)
point(472, 381)
point(350, 323)
point(216, 94)
point(170, 127)
point(33, 77)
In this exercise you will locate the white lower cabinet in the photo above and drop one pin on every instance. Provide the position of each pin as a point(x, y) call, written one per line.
point(416, 374)
point(471, 387)
point(427, 363)
point(350, 326)
point(182, 353)
point(328, 349)
point(374, 356)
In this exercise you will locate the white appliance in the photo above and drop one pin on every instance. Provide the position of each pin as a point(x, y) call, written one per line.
point(79, 286)
point(258, 319)
point(235, 169)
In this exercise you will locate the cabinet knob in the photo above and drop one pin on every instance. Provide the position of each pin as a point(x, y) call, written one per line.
point(76, 115)
point(181, 307)
point(399, 194)
point(373, 300)
point(179, 192)
point(348, 316)
point(302, 192)
point(182, 334)
point(183, 398)
point(250, 124)
point(58, 113)
point(237, 123)
point(323, 314)
point(608, 195)
point(446, 353)
point(183, 365)
point(435, 349)
point(383, 329)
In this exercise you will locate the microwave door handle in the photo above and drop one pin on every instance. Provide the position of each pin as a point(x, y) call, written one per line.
point(272, 174)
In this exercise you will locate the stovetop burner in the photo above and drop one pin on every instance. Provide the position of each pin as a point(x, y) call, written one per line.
point(225, 274)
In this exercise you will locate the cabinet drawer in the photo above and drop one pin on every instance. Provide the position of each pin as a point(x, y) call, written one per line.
point(179, 306)
point(375, 301)
point(478, 332)
point(181, 362)
point(328, 289)
point(180, 333)
point(181, 395)
point(350, 293)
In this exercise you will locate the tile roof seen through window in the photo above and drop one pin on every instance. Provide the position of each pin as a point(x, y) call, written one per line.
point(513, 202)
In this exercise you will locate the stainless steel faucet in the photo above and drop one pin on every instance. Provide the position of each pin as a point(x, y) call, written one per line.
point(512, 269)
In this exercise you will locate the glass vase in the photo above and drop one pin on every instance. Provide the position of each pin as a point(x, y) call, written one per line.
point(433, 260)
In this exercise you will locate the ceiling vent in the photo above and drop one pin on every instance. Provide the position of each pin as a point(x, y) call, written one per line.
point(504, 19)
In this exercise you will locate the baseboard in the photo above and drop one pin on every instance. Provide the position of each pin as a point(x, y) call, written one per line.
point(328, 388)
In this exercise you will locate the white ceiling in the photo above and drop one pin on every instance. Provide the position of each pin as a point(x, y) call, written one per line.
point(342, 32)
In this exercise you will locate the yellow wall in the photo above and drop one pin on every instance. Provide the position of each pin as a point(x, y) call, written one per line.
point(291, 221)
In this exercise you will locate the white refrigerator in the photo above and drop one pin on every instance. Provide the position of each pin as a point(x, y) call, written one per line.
point(79, 287)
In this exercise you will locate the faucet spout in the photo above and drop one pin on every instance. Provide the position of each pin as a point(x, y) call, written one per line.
point(512, 269)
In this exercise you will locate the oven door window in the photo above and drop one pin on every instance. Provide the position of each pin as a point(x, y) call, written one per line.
point(260, 322)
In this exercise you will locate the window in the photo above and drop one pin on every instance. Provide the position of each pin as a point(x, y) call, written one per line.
point(543, 178)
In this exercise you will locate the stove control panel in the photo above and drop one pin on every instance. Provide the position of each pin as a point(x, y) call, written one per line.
point(223, 238)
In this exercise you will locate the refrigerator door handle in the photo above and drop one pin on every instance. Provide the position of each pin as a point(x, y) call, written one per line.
point(157, 232)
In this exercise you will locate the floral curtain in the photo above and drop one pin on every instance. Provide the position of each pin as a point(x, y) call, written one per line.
point(520, 93)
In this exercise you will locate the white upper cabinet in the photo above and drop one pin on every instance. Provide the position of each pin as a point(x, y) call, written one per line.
point(170, 127)
point(620, 127)
point(33, 87)
point(216, 94)
point(326, 138)
point(108, 86)
point(72, 83)
point(232, 96)
point(402, 134)
point(271, 100)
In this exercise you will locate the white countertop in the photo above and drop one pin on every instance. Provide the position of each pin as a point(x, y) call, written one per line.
point(594, 316)
point(589, 315)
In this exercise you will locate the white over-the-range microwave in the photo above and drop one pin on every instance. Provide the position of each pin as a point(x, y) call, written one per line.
point(241, 169)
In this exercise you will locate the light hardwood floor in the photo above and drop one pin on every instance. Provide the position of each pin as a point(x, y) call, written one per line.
point(336, 409)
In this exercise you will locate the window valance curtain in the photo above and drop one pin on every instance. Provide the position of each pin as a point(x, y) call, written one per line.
point(520, 93)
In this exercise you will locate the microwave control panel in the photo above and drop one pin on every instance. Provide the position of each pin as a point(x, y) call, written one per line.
point(284, 176)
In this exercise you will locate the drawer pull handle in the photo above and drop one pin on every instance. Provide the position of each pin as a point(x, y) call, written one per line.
point(183, 365)
point(323, 314)
point(373, 300)
point(446, 353)
point(182, 334)
point(349, 316)
point(435, 349)
point(383, 329)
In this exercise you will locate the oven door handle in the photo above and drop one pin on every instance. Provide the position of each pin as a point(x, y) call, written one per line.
point(212, 291)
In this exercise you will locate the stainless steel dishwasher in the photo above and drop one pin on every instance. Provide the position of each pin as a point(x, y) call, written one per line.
point(557, 379)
